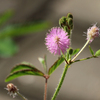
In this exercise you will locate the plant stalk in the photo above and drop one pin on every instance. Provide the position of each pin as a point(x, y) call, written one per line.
point(60, 83)
point(81, 50)
point(21, 96)
point(85, 59)
point(45, 91)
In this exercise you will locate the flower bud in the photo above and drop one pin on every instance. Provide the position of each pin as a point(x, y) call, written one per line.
point(12, 89)
point(69, 15)
point(70, 23)
point(66, 29)
point(62, 21)
point(70, 51)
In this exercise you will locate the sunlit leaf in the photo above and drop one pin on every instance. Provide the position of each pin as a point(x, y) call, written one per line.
point(23, 72)
point(22, 66)
point(91, 51)
point(55, 65)
point(97, 53)
point(5, 17)
point(75, 51)
point(18, 30)
point(43, 62)
point(7, 47)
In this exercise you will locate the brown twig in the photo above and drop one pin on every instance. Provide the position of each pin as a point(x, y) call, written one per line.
point(45, 90)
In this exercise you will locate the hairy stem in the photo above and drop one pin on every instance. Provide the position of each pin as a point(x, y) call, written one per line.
point(85, 58)
point(60, 83)
point(21, 96)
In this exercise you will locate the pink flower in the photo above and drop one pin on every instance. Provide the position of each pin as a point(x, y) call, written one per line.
point(92, 33)
point(57, 41)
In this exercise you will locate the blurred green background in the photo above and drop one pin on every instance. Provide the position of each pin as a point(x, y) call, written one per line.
point(7, 46)
point(23, 26)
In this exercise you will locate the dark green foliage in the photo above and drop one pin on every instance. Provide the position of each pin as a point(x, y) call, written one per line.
point(23, 69)
point(55, 65)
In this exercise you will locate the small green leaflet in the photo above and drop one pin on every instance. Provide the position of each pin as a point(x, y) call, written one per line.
point(43, 62)
point(75, 51)
point(97, 53)
point(92, 52)
point(21, 70)
point(71, 52)
point(55, 65)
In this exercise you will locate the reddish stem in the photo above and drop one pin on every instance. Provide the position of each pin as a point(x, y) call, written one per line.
point(45, 91)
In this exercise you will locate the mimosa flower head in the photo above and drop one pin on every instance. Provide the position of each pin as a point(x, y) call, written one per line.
point(57, 41)
point(92, 33)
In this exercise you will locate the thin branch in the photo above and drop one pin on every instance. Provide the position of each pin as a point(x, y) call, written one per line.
point(45, 90)
point(85, 59)
point(22, 96)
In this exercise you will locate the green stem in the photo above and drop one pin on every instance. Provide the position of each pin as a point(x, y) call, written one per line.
point(21, 96)
point(81, 50)
point(60, 83)
point(85, 59)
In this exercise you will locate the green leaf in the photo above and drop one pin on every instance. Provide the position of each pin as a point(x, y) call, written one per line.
point(92, 52)
point(5, 17)
point(7, 47)
point(75, 51)
point(24, 72)
point(55, 65)
point(97, 53)
point(18, 30)
point(22, 66)
point(43, 62)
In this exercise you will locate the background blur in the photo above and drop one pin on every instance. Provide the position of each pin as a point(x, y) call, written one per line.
point(82, 81)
